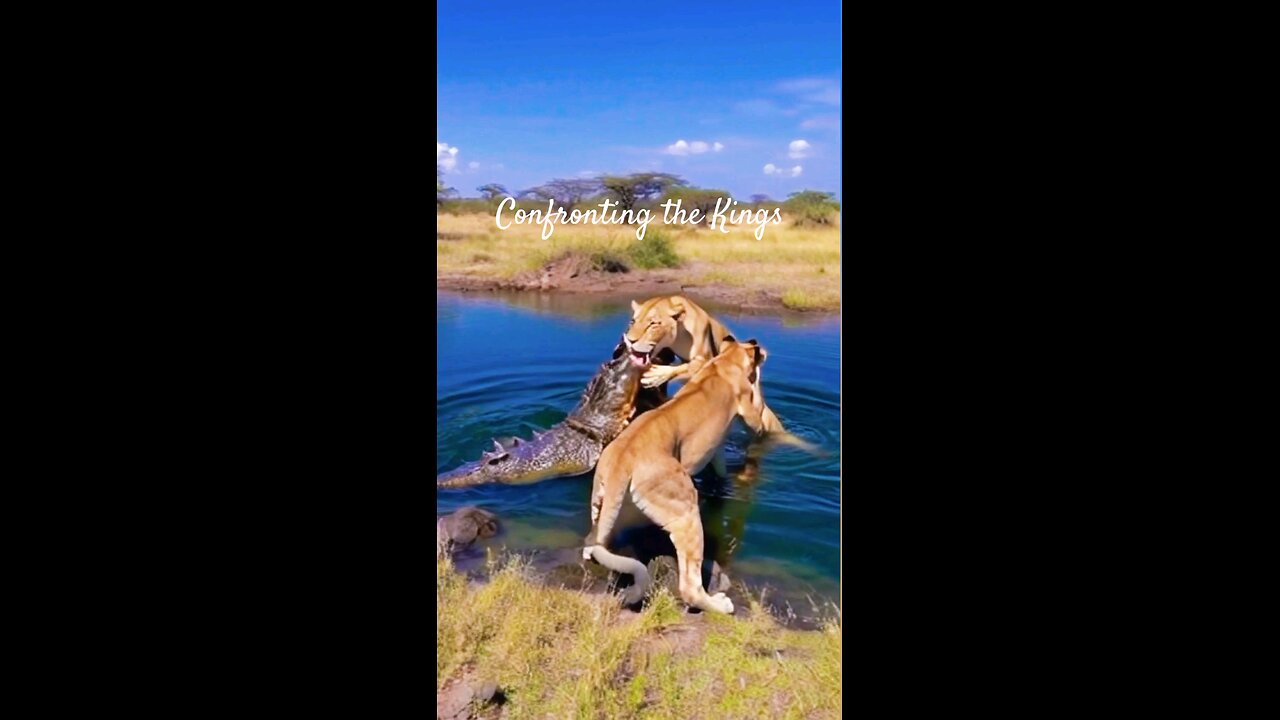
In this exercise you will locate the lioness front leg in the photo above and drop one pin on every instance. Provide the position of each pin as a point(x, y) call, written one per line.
point(659, 374)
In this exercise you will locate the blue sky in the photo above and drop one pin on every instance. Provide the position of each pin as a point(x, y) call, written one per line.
point(741, 96)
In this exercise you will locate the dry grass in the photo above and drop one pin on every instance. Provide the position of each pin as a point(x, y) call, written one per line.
point(804, 261)
point(567, 654)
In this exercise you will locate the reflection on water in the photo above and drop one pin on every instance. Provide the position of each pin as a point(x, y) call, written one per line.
point(509, 365)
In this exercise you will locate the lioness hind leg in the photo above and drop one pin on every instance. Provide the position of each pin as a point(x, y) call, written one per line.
point(686, 535)
point(668, 498)
point(605, 507)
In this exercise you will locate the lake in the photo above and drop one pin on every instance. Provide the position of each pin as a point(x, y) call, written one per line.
point(509, 364)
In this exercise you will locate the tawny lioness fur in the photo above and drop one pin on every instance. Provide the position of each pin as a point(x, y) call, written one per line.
point(651, 465)
point(678, 323)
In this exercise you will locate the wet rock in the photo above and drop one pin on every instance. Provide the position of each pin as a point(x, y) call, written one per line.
point(462, 527)
point(720, 581)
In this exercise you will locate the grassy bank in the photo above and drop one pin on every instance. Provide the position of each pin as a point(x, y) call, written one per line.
point(797, 266)
point(568, 654)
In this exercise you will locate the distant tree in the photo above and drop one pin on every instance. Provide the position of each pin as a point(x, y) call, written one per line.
point(443, 192)
point(814, 197)
point(567, 193)
point(702, 199)
point(492, 191)
point(629, 189)
point(812, 207)
point(759, 199)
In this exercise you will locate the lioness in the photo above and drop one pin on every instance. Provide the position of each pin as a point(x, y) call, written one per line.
point(677, 323)
point(655, 458)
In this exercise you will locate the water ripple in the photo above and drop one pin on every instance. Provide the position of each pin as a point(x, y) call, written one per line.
point(505, 370)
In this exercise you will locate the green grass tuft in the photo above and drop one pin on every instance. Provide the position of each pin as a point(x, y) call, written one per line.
point(565, 653)
point(797, 299)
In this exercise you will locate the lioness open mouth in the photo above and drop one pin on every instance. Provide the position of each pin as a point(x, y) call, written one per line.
point(640, 359)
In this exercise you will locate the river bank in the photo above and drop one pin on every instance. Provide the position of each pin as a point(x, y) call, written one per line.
point(790, 268)
point(515, 647)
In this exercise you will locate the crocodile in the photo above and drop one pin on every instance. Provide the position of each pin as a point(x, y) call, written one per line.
point(571, 447)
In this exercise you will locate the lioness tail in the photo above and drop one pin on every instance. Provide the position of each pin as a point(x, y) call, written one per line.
point(621, 564)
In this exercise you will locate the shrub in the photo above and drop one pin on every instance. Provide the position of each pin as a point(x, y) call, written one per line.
point(654, 251)
point(609, 261)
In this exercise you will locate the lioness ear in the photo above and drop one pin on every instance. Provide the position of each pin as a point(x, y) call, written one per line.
point(677, 306)
point(635, 306)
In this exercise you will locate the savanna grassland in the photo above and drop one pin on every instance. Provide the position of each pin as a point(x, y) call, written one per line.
point(563, 653)
point(795, 265)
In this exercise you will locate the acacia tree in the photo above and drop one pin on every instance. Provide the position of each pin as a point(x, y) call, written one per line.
point(492, 191)
point(629, 189)
point(566, 192)
point(814, 197)
point(700, 198)
point(759, 199)
point(812, 207)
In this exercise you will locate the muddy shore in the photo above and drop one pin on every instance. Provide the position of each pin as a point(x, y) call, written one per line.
point(571, 276)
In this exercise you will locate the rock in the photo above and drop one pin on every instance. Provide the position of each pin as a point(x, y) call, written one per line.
point(457, 701)
point(484, 692)
point(462, 527)
point(720, 581)
point(454, 703)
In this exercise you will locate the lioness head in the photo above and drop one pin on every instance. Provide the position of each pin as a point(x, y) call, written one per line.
point(654, 325)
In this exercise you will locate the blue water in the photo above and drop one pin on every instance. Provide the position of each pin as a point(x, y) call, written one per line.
point(509, 365)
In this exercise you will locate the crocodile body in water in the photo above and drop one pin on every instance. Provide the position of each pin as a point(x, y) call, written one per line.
point(571, 447)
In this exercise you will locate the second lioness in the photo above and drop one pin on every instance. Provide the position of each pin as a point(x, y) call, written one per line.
point(678, 323)
point(650, 466)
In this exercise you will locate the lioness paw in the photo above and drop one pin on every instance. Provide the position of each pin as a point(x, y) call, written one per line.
point(721, 603)
point(655, 376)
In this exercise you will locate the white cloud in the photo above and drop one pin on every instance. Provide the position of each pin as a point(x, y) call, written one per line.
point(818, 90)
point(821, 122)
point(446, 156)
point(798, 149)
point(697, 147)
point(772, 169)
